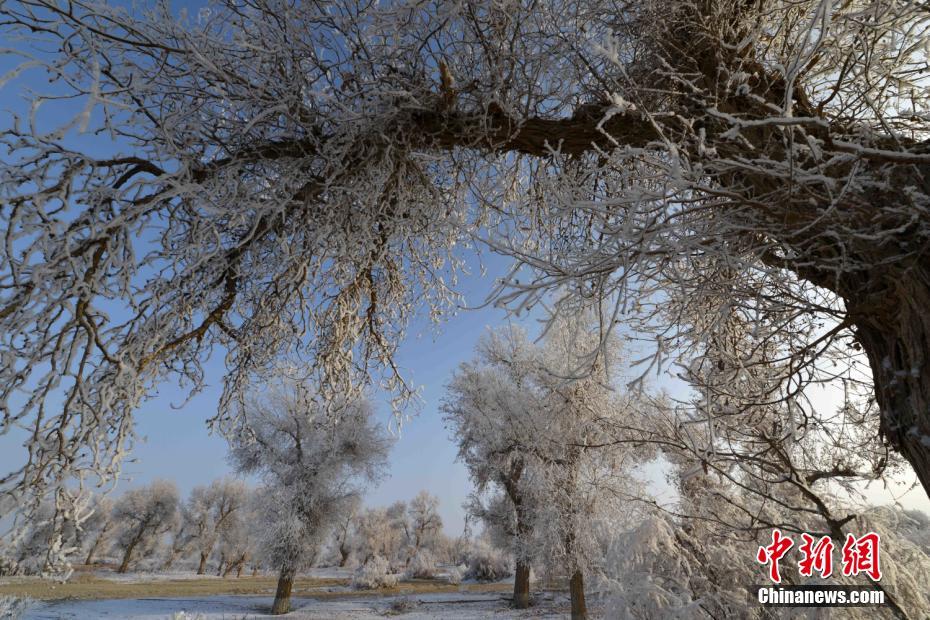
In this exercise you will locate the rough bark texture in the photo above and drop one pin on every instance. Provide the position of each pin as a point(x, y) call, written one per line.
point(202, 567)
point(576, 590)
point(282, 597)
point(896, 338)
point(521, 585)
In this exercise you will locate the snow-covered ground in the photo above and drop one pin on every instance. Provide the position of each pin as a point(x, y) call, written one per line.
point(453, 606)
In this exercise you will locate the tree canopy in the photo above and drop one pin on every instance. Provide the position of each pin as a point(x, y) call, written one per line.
point(296, 179)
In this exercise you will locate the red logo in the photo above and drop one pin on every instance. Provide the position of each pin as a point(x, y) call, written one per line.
point(860, 555)
point(817, 557)
point(774, 552)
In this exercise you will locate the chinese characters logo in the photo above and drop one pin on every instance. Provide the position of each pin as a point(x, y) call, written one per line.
point(859, 555)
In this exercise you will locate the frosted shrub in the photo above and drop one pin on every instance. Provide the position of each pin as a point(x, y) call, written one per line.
point(488, 564)
point(454, 576)
point(661, 570)
point(422, 565)
point(374, 574)
point(649, 573)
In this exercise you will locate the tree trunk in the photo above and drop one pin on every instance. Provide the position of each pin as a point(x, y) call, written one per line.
point(202, 568)
point(172, 557)
point(239, 570)
point(521, 585)
point(344, 555)
point(234, 565)
point(93, 550)
point(576, 589)
point(282, 597)
point(219, 571)
point(127, 557)
point(896, 338)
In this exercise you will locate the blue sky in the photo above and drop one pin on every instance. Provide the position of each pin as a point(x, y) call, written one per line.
point(178, 446)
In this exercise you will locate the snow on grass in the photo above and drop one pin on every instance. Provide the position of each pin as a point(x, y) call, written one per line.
point(144, 577)
point(451, 606)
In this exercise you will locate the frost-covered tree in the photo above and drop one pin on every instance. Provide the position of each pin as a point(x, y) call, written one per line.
point(207, 511)
point(423, 524)
point(380, 532)
point(313, 458)
point(396, 533)
point(276, 199)
point(98, 529)
point(47, 531)
point(751, 452)
point(544, 424)
point(344, 533)
point(180, 544)
point(238, 537)
point(492, 412)
point(143, 516)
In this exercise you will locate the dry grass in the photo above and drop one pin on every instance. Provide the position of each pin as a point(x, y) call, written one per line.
point(86, 586)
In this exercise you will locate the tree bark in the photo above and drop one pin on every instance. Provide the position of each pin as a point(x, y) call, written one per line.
point(202, 567)
point(127, 557)
point(344, 555)
point(521, 585)
point(234, 565)
point(93, 550)
point(282, 597)
point(896, 338)
point(576, 590)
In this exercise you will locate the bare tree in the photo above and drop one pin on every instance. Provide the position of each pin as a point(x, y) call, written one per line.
point(144, 516)
point(254, 195)
point(313, 465)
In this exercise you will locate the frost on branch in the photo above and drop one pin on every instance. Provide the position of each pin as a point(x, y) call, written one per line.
point(144, 516)
point(374, 574)
point(314, 458)
point(543, 430)
point(279, 199)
